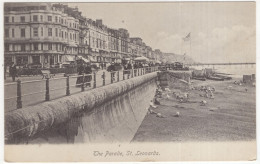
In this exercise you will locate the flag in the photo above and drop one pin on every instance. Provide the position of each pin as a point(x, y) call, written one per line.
point(187, 38)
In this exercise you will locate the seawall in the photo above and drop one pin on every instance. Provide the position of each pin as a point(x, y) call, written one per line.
point(175, 79)
point(29, 121)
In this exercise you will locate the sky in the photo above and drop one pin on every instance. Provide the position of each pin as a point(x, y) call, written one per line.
point(220, 31)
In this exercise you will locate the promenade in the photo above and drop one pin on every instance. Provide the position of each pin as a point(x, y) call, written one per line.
point(32, 85)
point(33, 88)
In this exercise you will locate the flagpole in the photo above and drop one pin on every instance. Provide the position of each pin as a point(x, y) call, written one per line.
point(181, 45)
point(190, 45)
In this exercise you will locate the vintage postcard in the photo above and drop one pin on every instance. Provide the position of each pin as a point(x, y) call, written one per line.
point(129, 82)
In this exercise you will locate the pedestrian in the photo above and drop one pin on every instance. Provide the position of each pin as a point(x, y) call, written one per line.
point(5, 68)
point(13, 71)
point(80, 71)
point(88, 78)
point(129, 66)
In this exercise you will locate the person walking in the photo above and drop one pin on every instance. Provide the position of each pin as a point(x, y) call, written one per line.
point(5, 68)
point(80, 71)
point(88, 71)
point(13, 71)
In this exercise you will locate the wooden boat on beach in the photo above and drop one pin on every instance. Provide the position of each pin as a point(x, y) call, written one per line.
point(199, 78)
point(222, 76)
point(215, 78)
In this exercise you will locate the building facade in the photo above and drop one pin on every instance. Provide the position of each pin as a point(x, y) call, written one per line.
point(47, 34)
point(38, 33)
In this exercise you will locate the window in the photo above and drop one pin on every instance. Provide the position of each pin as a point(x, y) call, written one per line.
point(49, 31)
point(22, 47)
point(7, 33)
point(70, 36)
point(13, 33)
point(36, 59)
point(61, 21)
point(57, 47)
point(12, 19)
point(13, 49)
point(49, 46)
point(6, 19)
point(41, 18)
point(35, 32)
point(56, 32)
point(35, 18)
point(22, 18)
point(6, 47)
point(56, 19)
point(21, 60)
point(35, 46)
point(23, 32)
point(42, 31)
point(49, 18)
point(62, 34)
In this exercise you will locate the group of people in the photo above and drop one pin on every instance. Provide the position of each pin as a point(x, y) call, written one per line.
point(137, 65)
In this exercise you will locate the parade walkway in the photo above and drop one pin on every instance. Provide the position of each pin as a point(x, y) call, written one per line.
point(33, 88)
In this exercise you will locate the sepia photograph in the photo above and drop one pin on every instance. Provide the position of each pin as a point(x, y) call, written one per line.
point(129, 81)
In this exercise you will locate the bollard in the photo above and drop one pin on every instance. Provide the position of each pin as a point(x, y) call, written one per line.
point(68, 86)
point(95, 80)
point(118, 76)
point(47, 94)
point(19, 94)
point(83, 83)
point(104, 78)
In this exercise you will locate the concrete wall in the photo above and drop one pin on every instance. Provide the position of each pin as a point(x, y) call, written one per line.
point(32, 120)
point(175, 79)
point(116, 121)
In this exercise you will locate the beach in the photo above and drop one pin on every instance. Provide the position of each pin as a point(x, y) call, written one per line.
point(230, 116)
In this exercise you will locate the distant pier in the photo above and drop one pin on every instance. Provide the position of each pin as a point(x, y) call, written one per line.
point(209, 64)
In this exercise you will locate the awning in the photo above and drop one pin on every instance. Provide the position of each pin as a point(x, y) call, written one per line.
point(69, 58)
point(126, 59)
point(91, 59)
point(84, 59)
point(142, 58)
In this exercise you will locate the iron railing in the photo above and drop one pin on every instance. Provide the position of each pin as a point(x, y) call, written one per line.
point(87, 79)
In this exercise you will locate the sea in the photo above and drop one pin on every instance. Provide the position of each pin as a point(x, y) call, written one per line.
point(236, 71)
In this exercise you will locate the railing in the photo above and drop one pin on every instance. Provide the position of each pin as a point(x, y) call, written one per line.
point(38, 71)
point(62, 86)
